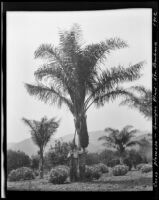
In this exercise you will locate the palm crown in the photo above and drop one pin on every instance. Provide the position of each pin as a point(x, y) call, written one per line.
point(71, 76)
point(120, 140)
point(41, 131)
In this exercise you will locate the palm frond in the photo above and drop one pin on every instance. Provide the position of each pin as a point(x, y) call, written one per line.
point(29, 123)
point(143, 103)
point(48, 94)
point(110, 95)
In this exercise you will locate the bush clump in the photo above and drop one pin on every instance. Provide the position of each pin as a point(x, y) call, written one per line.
point(102, 168)
point(59, 174)
point(146, 168)
point(120, 170)
point(139, 166)
point(92, 172)
point(23, 173)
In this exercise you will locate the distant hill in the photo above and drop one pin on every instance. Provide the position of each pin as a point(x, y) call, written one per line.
point(30, 148)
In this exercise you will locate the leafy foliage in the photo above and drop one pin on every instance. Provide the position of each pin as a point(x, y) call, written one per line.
point(102, 167)
point(57, 155)
point(16, 159)
point(23, 173)
point(35, 162)
point(58, 175)
point(146, 168)
point(92, 172)
point(71, 76)
point(120, 170)
point(92, 158)
point(143, 103)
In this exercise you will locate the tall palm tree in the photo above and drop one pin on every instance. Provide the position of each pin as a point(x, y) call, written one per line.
point(72, 75)
point(41, 132)
point(119, 140)
point(141, 102)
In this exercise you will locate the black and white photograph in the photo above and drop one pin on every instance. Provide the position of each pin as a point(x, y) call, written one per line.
point(79, 100)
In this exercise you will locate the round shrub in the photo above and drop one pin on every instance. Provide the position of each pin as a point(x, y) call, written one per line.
point(146, 168)
point(120, 170)
point(92, 172)
point(58, 175)
point(139, 166)
point(102, 168)
point(23, 173)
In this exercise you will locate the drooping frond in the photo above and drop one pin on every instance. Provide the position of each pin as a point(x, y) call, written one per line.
point(108, 80)
point(48, 94)
point(110, 96)
point(142, 102)
point(29, 123)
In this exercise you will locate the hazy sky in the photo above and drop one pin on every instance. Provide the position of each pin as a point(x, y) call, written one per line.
point(27, 30)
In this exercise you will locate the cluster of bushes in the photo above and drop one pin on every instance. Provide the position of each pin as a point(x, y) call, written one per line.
point(23, 173)
point(144, 168)
point(17, 159)
point(95, 171)
point(111, 158)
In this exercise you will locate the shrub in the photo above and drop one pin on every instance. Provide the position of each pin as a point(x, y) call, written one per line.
point(120, 170)
point(146, 168)
point(92, 172)
point(102, 168)
point(138, 167)
point(23, 173)
point(58, 175)
point(16, 159)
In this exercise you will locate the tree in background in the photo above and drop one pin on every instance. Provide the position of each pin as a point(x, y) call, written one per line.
point(16, 159)
point(119, 140)
point(41, 132)
point(72, 75)
point(35, 159)
point(141, 102)
point(57, 155)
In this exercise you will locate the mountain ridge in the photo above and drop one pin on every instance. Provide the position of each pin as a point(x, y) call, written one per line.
point(30, 148)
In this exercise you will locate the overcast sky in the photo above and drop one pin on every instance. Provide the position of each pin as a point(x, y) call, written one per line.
point(27, 30)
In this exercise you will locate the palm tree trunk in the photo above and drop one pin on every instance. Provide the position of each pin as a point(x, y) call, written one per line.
point(81, 127)
point(41, 165)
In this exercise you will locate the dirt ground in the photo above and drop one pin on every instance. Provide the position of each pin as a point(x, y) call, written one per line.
point(132, 181)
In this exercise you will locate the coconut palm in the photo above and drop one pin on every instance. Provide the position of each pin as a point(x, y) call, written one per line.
point(72, 75)
point(41, 132)
point(119, 140)
point(143, 102)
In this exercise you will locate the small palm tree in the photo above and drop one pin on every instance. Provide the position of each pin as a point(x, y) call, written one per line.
point(143, 103)
point(72, 76)
point(41, 132)
point(119, 140)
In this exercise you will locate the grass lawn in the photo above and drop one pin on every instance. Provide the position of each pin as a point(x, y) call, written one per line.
point(132, 181)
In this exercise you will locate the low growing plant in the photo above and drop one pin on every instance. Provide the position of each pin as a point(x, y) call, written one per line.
point(102, 168)
point(146, 168)
point(59, 174)
point(92, 172)
point(23, 173)
point(120, 170)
